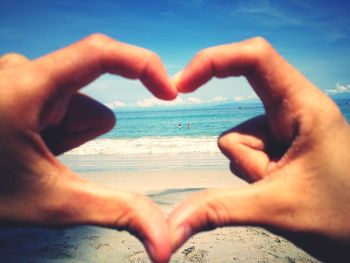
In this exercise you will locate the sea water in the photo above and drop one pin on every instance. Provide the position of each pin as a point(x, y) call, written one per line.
point(170, 131)
point(167, 138)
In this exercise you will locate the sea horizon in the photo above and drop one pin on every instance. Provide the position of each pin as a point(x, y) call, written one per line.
point(167, 138)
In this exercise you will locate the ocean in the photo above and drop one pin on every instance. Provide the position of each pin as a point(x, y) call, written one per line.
point(169, 138)
point(151, 140)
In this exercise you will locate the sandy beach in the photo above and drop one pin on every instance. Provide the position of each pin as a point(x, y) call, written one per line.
point(167, 188)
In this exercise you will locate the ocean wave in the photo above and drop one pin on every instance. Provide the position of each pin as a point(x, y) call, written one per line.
point(149, 145)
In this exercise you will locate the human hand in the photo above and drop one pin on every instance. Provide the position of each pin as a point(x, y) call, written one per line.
point(297, 156)
point(42, 114)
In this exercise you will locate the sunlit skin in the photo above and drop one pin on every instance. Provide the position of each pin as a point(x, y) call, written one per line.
point(43, 114)
point(296, 156)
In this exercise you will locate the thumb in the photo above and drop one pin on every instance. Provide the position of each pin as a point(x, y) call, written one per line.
point(263, 203)
point(72, 201)
point(128, 211)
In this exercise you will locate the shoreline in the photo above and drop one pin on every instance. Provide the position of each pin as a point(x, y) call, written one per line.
point(117, 163)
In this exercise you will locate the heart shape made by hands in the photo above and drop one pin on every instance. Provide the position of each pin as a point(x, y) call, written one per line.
point(54, 117)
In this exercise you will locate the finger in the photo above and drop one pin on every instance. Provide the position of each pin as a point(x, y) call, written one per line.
point(73, 67)
point(263, 204)
point(61, 198)
point(84, 120)
point(121, 210)
point(271, 76)
point(131, 212)
point(12, 60)
point(279, 85)
point(251, 149)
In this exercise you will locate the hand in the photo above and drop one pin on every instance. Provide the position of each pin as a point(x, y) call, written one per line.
point(42, 113)
point(297, 156)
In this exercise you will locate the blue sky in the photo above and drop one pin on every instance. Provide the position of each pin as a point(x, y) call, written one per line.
point(313, 35)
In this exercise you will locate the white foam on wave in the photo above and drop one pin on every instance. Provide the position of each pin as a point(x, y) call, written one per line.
point(149, 145)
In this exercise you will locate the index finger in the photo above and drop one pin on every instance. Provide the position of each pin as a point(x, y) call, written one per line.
point(73, 67)
point(272, 77)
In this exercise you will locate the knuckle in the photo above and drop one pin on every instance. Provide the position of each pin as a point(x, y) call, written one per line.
point(97, 42)
point(123, 216)
point(96, 46)
point(205, 57)
point(329, 115)
point(215, 210)
point(12, 59)
point(97, 39)
point(136, 201)
point(151, 57)
point(260, 41)
point(13, 56)
point(259, 48)
point(131, 217)
point(260, 44)
point(203, 54)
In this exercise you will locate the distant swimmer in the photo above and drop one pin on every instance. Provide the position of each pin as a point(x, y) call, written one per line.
point(179, 126)
point(188, 125)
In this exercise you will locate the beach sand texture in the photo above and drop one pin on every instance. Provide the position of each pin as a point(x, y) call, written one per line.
point(95, 244)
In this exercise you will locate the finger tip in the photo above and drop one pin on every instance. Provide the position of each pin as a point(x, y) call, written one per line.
point(176, 78)
point(159, 252)
point(178, 83)
point(170, 93)
point(158, 244)
point(224, 141)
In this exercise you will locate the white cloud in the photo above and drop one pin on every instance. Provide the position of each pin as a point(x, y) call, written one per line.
point(339, 89)
point(179, 101)
point(238, 98)
point(244, 97)
point(219, 99)
point(115, 104)
point(150, 102)
point(192, 100)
